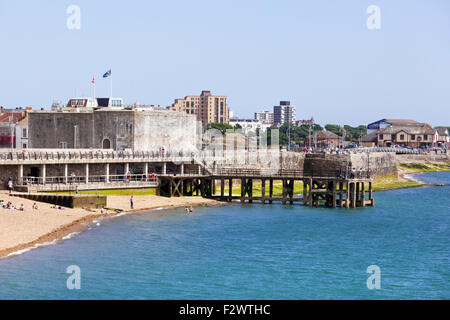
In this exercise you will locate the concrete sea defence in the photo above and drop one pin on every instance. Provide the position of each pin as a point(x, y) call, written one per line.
point(69, 201)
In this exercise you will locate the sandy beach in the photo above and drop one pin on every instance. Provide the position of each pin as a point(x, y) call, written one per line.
point(25, 229)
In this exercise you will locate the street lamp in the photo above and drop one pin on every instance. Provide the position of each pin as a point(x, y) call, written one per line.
point(289, 136)
point(309, 133)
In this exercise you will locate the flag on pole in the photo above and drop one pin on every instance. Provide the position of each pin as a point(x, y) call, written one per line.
point(93, 82)
point(107, 74)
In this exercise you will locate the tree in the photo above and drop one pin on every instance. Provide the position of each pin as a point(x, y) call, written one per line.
point(353, 133)
point(336, 129)
point(223, 127)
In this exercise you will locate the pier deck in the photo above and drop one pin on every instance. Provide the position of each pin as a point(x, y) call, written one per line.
point(318, 189)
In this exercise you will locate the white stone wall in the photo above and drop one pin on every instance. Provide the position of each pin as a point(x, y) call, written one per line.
point(173, 131)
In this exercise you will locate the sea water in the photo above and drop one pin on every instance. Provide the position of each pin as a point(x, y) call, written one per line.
point(252, 252)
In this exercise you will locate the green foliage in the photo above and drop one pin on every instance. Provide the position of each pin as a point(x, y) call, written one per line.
point(298, 133)
point(336, 129)
point(223, 127)
point(353, 133)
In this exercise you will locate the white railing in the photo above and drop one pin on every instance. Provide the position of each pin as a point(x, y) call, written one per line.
point(75, 180)
point(92, 155)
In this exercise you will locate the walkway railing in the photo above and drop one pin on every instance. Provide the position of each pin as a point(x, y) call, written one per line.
point(281, 173)
point(133, 178)
point(91, 155)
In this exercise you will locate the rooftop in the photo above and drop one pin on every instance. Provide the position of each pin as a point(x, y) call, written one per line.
point(419, 128)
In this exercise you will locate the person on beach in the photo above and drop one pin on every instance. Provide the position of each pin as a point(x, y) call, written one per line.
point(131, 202)
point(21, 208)
point(191, 209)
point(10, 185)
point(187, 210)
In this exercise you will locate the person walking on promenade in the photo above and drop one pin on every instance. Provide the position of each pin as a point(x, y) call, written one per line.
point(131, 202)
point(10, 185)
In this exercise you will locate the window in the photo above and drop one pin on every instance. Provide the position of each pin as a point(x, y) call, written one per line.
point(402, 137)
point(425, 137)
point(116, 103)
point(24, 132)
point(63, 145)
point(24, 146)
point(413, 137)
point(381, 137)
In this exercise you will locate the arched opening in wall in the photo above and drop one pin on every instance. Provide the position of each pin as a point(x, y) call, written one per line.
point(106, 144)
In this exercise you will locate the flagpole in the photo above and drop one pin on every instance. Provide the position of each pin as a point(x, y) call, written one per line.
point(111, 84)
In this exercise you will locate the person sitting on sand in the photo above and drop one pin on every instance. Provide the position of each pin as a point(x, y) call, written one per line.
point(21, 208)
point(35, 206)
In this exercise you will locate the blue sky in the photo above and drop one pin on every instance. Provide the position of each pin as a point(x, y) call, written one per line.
point(317, 54)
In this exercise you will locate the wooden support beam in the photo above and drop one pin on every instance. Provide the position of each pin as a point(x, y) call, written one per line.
point(310, 196)
point(250, 190)
point(333, 194)
point(363, 195)
point(347, 195)
point(243, 189)
point(270, 190)
point(353, 195)
point(357, 193)
point(263, 191)
point(291, 190)
point(305, 194)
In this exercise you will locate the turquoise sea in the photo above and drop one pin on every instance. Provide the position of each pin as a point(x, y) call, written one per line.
point(252, 252)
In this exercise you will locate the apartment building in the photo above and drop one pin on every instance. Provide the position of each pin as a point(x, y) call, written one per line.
point(206, 107)
point(284, 113)
point(264, 116)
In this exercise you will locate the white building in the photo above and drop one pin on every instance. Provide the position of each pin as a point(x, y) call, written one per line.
point(250, 125)
point(22, 134)
point(94, 103)
point(264, 116)
point(284, 113)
